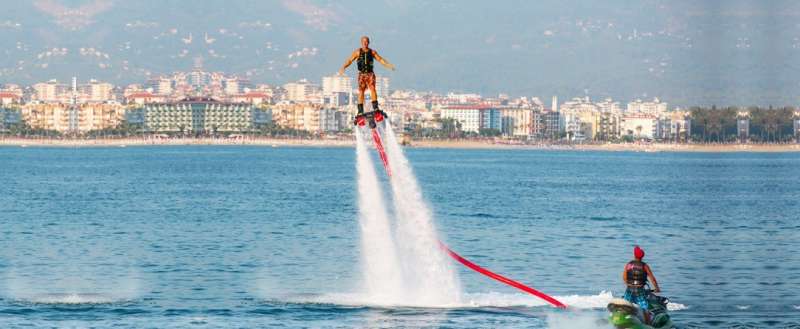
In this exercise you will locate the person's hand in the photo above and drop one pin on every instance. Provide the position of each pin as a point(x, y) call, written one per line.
point(341, 71)
point(390, 66)
point(657, 290)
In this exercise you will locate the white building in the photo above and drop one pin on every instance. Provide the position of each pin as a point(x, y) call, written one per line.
point(473, 118)
point(50, 91)
point(578, 104)
point(164, 86)
point(638, 125)
point(382, 87)
point(656, 107)
point(464, 98)
point(517, 122)
point(96, 91)
point(161, 85)
point(8, 98)
point(199, 78)
point(300, 91)
point(609, 105)
point(232, 86)
point(10, 94)
point(336, 84)
point(327, 120)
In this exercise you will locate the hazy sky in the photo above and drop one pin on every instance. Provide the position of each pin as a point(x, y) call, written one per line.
point(686, 52)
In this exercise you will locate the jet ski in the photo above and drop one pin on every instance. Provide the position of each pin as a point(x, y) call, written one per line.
point(626, 315)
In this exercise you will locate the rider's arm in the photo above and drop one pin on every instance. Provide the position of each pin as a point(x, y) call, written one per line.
point(625, 277)
point(652, 278)
point(349, 61)
point(383, 60)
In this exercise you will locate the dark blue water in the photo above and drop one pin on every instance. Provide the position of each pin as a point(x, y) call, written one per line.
point(245, 237)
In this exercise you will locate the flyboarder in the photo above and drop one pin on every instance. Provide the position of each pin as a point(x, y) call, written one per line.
point(365, 57)
point(636, 276)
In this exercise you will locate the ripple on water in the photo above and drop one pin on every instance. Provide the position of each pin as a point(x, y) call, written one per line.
point(73, 299)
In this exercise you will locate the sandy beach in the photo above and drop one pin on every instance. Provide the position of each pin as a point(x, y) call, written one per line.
point(343, 142)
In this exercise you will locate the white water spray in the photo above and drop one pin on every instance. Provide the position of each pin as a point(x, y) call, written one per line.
point(380, 267)
point(429, 273)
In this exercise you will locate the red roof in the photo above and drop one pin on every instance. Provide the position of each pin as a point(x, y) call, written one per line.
point(8, 94)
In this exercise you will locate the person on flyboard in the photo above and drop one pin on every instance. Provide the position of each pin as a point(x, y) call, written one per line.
point(365, 57)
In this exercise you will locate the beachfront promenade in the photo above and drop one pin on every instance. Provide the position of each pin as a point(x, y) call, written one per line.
point(346, 141)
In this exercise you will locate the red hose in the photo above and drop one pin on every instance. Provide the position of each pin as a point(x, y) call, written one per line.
point(475, 267)
point(379, 146)
point(498, 277)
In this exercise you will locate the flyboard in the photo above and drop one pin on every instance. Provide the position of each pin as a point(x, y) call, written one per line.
point(377, 116)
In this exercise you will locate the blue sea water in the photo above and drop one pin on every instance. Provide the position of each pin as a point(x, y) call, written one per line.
point(251, 237)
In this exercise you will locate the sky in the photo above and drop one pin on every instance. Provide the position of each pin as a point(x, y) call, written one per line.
point(726, 52)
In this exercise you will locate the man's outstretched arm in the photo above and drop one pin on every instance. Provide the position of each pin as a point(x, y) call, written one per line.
point(383, 61)
point(349, 61)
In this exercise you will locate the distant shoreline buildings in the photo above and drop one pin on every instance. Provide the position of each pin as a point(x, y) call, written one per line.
point(211, 103)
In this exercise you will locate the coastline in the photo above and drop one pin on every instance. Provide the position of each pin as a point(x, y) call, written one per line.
point(443, 144)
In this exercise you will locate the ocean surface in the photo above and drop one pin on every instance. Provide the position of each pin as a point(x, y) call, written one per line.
point(257, 237)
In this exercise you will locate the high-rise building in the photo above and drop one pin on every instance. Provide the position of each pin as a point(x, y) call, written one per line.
point(234, 85)
point(161, 85)
point(198, 116)
point(8, 117)
point(199, 78)
point(674, 126)
point(743, 126)
point(797, 125)
point(308, 117)
point(50, 91)
point(96, 91)
point(382, 87)
point(49, 116)
point(517, 122)
point(550, 125)
point(609, 105)
point(638, 125)
point(69, 118)
point(578, 104)
point(656, 107)
point(336, 84)
point(473, 118)
point(9, 97)
point(580, 125)
point(300, 91)
point(99, 116)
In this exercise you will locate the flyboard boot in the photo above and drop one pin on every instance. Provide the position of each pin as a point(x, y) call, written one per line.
point(372, 118)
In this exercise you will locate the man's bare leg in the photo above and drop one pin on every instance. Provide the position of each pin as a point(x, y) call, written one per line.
point(360, 101)
point(374, 97)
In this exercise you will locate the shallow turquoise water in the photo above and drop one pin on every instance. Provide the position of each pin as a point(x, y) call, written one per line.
point(244, 237)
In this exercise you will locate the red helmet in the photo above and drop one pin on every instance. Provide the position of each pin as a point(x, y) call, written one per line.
point(638, 252)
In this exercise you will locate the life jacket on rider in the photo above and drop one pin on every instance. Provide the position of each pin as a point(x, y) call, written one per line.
point(637, 276)
point(365, 61)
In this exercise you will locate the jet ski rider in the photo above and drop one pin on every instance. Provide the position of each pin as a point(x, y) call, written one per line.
point(636, 276)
